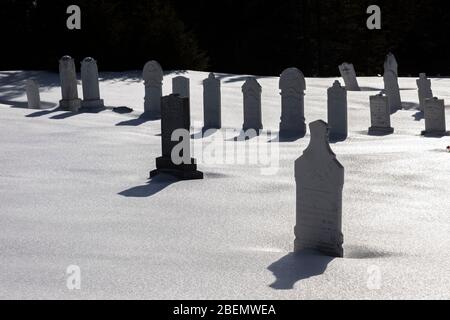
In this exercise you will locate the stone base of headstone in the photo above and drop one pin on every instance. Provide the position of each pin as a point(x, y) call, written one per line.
point(300, 131)
point(93, 104)
point(70, 105)
point(335, 252)
point(335, 137)
point(435, 133)
point(380, 130)
point(184, 171)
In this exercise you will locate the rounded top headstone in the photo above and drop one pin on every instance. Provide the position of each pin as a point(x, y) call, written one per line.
point(153, 72)
point(292, 77)
point(89, 60)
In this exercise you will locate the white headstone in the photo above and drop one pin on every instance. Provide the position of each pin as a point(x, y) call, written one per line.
point(91, 88)
point(348, 73)
point(390, 64)
point(180, 86)
point(252, 105)
point(68, 77)
point(392, 91)
point(380, 115)
point(337, 112)
point(292, 85)
point(153, 80)
point(212, 113)
point(33, 96)
point(424, 88)
point(435, 117)
point(320, 181)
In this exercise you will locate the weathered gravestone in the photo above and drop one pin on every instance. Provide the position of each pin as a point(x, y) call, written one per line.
point(337, 112)
point(424, 88)
point(390, 64)
point(175, 137)
point(68, 78)
point(153, 80)
point(180, 86)
point(292, 86)
point(435, 117)
point(33, 96)
point(252, 105)
point(320, 181)
point(348, 73)
point(91, 88)
point(212, 114)
point(392, 90)
point(380, 115)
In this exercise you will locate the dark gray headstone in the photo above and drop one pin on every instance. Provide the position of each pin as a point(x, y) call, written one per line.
point(380, 115)
point(33, 96)
point(292, 86)
point(392, 91)
point(424, 89)
point(348, 73)
point(390, 64)
point(175, 118)
point(69, 89)
point(252, 105)
point(337, 112)
point(212, 113)
point(91, 88)
point(153, 81)
point(320, 181)
point(181, 86)
point(435, 117)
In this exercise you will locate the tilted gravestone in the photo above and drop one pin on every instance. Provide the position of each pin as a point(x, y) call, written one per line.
point(435, 117)
point(392, 91)
point(212, 113)
point(252, 105)
point(337, 112)
point(320, 181)
point(180, 86)
point(292, 90)
point(33, 96)
point(69, 90)
point(175, 139)
point(424, 89)
point(91, 88)
point(390, 64)
point(153, 81)
point(380, 115)
point(348, 73)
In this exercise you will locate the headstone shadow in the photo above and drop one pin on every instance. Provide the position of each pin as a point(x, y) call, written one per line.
point(42, 113)
point(368, 89)
point(152, 187)
point(204, 133)
point(287, 138)
point(246, 136)
point(296, 267)
point(418, 116)
point(70, 114)
point(143, 118)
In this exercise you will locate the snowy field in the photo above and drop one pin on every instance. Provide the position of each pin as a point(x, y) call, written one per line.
point(74, 190)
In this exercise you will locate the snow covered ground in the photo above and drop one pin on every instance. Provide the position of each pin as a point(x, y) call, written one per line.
point(74, 190)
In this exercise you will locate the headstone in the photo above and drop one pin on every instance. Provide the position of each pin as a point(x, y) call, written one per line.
point(292, 86)
point(33, 96)
point(91, 88)
point(68, 77)
point(392, 91)
point(380, 115)
point(390, 64)
point(337, 112)
point(212, 113)
point(252, 105)
point(424, 88)
point(153, 80)
point(320, 181)
point(175, 115)
point(435, 117)
point(180, 86)
point(348, 73)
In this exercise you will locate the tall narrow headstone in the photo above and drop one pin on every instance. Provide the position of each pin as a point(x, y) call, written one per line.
point(292, 90)
point(153, 81)
point(392, 91)
point(33, 96)
point(390, 64)
point(380, 115)
point(424, 88)
point(320, 181)
point(68, 77)
point(91, 88)
point(435, 117)
point(175, 140)
point(252, 105)
point(348, 73)
point(212, 114)
point(337, 112)
point(180, 86)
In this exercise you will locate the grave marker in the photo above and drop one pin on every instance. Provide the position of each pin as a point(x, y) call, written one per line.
point(348, 73)
point(33, 96)
point(292, 85)
point(69, 90)
point(424, 89)
point(212, 113)
point(392, 91)
point(252, 105)
point(380, 115)
point(180, 86)
point(91, 88)
point(153, 81)
point(435, 117)
point(337, 112)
